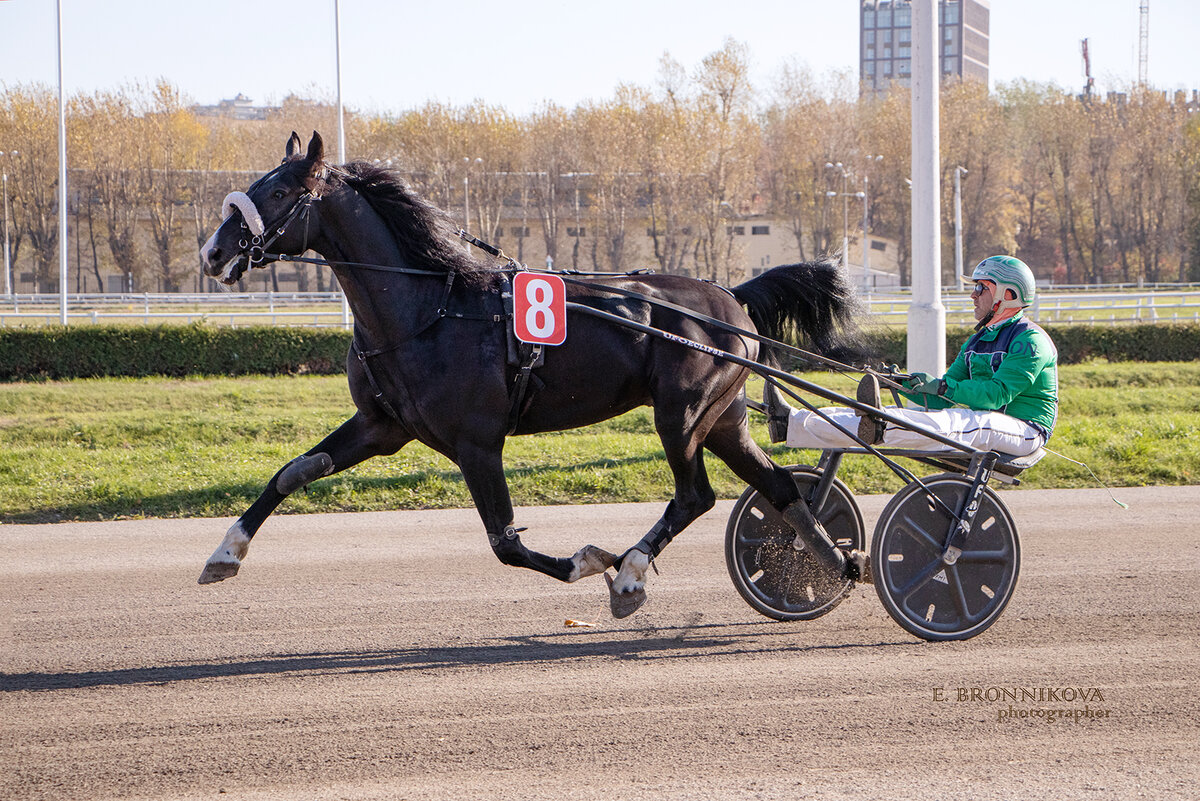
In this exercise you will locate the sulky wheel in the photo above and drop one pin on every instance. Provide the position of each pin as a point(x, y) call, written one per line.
point(929, 598)
point(775, 578)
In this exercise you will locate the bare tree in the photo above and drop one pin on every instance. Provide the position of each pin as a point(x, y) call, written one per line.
point(29, 120)
point(547, 157)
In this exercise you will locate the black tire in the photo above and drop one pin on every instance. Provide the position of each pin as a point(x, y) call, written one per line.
point(926, 597)
point(774, 578)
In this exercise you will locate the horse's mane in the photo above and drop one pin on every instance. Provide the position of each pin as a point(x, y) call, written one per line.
point(425, 234)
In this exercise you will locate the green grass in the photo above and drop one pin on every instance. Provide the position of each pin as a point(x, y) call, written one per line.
point(119, 448)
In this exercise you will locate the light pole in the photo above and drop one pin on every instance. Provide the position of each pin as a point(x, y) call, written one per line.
point(341, 126)
point(958, 250)
point(866, 240)
point(467, 194)
point(62, 177)
point(8, 282)
point(866, 227)
point(846, 195)
point(845, 207)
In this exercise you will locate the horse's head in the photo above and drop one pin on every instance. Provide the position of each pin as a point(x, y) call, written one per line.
point(271, 217)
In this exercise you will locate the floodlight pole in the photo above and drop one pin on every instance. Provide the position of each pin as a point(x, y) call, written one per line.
point(927, 314)
point(958, 247)
point(8, 285)
point(337, 45)
point(62, 178)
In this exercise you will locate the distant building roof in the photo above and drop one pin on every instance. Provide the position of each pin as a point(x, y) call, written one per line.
point(238, 108)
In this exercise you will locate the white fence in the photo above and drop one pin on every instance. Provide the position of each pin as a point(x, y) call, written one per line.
point(326, 309)
point(1074, 306)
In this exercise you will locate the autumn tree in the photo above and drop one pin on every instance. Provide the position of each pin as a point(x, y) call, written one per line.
point(610, 143)
point(730, 138)
point(805, 128)
point(672, 184)
point(110, 147)
point(30, 115)
point(975, 135)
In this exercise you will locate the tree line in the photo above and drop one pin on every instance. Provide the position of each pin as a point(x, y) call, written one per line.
point(1083, 189)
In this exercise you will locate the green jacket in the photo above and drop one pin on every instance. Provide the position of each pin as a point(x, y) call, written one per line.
point(1011, 368)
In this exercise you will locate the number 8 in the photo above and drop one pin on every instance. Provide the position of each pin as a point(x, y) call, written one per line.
point(540, 294)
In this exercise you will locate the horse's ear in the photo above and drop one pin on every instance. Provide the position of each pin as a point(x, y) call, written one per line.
point(293, 145)
point(316, 148)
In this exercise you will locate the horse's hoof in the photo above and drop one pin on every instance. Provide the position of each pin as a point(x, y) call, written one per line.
point(590, 560)
point(624, 604)
point(218, 571)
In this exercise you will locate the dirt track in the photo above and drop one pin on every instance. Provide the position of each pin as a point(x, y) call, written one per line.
point(391, 656)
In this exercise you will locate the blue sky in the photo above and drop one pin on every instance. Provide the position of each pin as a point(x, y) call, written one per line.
point(396, 55)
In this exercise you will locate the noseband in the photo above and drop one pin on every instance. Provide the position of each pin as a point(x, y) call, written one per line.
point(255, 247)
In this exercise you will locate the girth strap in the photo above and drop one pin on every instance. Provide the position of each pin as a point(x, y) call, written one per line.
point(520, 386)
point(366, 366)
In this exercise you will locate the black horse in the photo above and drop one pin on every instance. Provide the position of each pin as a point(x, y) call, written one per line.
point(431, 359)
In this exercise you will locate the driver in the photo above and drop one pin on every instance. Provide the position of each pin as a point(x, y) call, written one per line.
point(1000, 394)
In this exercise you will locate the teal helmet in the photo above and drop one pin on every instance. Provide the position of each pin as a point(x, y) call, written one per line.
point(1007, 272)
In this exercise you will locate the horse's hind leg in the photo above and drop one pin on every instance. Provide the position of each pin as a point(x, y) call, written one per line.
point(355, 440)
point(730, 441)
point(693, 497)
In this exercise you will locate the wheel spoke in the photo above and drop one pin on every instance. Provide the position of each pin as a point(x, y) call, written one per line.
point(998, 556)
point(920, 536)
point(918, 581)
point(958, 595)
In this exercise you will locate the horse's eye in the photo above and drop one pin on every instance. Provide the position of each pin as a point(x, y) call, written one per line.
point(279, 194)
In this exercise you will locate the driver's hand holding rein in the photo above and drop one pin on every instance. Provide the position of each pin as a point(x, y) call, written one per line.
point(1001, 392)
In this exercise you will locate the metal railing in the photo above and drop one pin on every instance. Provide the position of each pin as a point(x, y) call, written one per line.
point(324, 309)
point(1053, 306)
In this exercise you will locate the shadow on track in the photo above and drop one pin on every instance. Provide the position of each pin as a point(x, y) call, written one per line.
point(680, 642)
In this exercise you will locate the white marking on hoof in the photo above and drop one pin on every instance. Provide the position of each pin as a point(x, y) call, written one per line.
point(590, 560)
point(862, 561)
point(627, 591)
point(227, 559)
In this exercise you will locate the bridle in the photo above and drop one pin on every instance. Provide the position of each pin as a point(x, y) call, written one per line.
point(254, 247)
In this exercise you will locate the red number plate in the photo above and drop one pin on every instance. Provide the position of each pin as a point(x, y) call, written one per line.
point(540, 308)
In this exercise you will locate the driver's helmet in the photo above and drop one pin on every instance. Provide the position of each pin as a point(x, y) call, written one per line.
point(1007, 272)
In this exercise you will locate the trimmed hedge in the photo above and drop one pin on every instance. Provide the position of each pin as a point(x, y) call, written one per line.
point(54, 352)
point(1149, 342)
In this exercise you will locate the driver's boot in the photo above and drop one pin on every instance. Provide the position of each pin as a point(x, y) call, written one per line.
point(779, 412)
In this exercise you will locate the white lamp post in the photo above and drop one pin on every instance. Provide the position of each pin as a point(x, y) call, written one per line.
point(866, 228)
point(846, 195)
point(841, 168)
point(958, 250)
point(467, 194)
point(926, 315)
point(8, 282)
point(337, 47)
point(62, 178)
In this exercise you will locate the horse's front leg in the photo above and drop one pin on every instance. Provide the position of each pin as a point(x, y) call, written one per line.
point(483, 470)
point(355, 440)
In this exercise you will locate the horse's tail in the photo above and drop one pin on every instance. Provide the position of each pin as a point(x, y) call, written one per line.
point(809, 305)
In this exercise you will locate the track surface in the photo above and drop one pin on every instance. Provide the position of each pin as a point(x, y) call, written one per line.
point(391, 656)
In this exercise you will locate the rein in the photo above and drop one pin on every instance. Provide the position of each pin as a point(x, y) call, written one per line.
point(578, 279)
point(256, 253)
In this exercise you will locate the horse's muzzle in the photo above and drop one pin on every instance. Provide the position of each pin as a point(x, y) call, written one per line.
point(225, 268)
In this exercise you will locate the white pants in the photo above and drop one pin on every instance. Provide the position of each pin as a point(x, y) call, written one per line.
point(985, 431)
